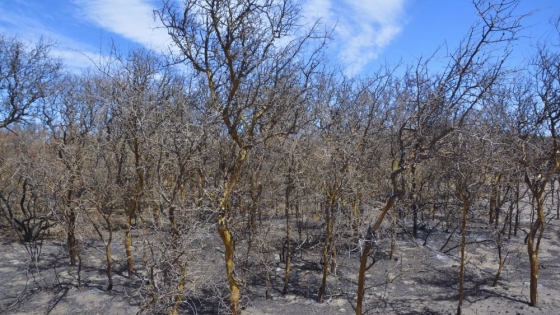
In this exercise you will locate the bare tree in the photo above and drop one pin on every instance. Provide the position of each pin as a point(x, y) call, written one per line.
point(471, 72)
point(235, 46)
point(27, 73)
point(541, 150)
point(133, 90)
point(26, 196)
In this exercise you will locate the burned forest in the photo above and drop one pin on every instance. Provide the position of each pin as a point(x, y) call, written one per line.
point(246, 173)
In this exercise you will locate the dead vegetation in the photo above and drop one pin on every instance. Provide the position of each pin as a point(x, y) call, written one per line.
point(128, 189)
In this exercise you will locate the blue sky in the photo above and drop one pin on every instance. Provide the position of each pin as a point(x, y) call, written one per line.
point(368, 32)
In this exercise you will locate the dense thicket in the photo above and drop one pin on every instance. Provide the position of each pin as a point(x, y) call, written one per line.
point(256, 146)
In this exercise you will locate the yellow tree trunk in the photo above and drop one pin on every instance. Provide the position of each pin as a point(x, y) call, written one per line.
point(534, 261)
point(109, 265)
point(366, 251)
point(235, 296)
point(180, 288)
point(533, 252)
point(133, 208)
point(362, 277)
point(225, 214)
point(537, 189)
point(332, 195)
point(363, 263)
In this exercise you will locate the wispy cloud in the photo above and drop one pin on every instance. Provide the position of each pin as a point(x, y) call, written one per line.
point(76, 60)
point(132, 19)
point(363, 27)
point(24, 23)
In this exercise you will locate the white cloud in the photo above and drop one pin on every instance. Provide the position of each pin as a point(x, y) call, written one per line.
point(75, 60)
point(317, 9)
point(132, 19)
point(363, 27)
point(27, 26)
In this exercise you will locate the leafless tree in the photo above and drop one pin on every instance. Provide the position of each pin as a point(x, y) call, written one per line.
point(472, 70)
point(541, 150)
point(27, 74)
point(249, 72)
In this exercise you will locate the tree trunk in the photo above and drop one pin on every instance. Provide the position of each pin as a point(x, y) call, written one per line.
point(517, 208)
point(71, 236)
point(392, 232)
point(510, 219)
point(108, 253)
point(537, 229)
point(235, 296)
point(287, 253)
point(500, 262)
point(107, 218)
point(180, 287)
point(226, 213)
point(174, 228)
point(332, 195)
point(463, 243)
point(325, 256)
point(538, 189)
point(493, 198)
point(355, 212)
point(256, 190)
point(414, 201)
point(200, 194)
point(70, 217)
point(334, 264)
point(133, 208)
point(109, 262)
point(533, 251)
point(246, 260)
point(498, 209)
point(128, 247)
point(362, 276)
point(367, 249)
point(558, 203)
point(182, 269)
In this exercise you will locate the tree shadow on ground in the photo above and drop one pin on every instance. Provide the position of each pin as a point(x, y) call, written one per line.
point(445, 281)
point(51, 278)
point(206, 302)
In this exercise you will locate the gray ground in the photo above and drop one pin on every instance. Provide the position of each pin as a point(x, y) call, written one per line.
point(421, 280)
